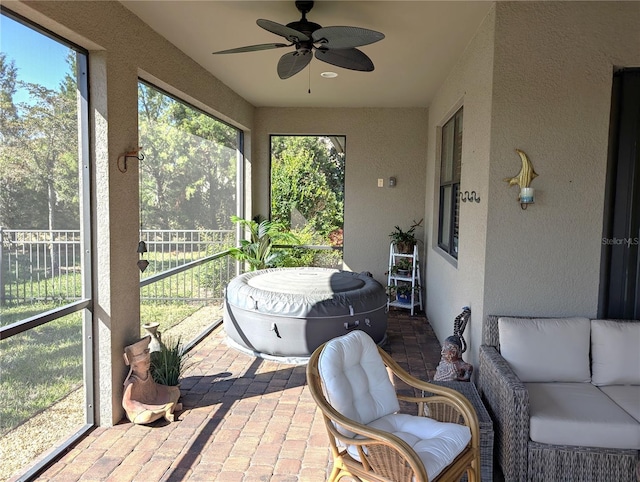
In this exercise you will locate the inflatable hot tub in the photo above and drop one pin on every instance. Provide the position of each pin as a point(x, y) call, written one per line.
point(289, 312)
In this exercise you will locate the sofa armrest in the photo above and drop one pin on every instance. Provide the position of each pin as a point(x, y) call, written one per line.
point(507, 401)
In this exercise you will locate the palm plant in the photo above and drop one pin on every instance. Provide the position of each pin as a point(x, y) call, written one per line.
point(258, 251)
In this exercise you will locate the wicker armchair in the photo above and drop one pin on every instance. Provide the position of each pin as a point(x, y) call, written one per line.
point(348, 378)
point(520, 458)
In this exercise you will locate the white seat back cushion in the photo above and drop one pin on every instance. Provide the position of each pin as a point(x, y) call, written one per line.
point(355, 380)
point(615, 352)
point(546, 349)
point(579, 414)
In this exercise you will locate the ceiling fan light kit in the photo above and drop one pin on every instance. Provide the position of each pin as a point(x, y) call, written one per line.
point(333, 45)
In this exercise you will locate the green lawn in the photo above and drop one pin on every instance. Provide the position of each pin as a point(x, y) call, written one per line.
point(43, 365)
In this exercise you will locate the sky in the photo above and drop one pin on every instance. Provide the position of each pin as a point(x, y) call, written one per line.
point(38, 58)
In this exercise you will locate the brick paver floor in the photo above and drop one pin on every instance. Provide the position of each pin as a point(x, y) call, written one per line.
point(244, 419)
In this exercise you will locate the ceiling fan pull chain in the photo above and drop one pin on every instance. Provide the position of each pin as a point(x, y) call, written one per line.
point(309, 78)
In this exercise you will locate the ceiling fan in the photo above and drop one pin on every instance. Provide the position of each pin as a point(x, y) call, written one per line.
point(333, 45)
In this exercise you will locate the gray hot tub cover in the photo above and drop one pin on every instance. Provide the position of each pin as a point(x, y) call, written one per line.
point(305, 292)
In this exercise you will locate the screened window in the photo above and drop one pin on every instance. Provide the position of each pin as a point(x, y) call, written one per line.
point(450, 167)
point(189, 177)
point(45, 279)
point(307, 195)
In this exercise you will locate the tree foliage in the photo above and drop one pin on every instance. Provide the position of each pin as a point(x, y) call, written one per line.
point(307, 184)
point(188, 176)
point(39, 154)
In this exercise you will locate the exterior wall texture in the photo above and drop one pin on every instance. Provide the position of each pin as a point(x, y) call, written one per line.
point(451, 285)
point(550, 95)
point(553, 72)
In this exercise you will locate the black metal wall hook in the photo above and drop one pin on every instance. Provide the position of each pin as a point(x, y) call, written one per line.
point(469, 196)
point(122, 160)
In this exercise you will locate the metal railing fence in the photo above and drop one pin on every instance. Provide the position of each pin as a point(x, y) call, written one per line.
point(39, 265)
point(45, 265)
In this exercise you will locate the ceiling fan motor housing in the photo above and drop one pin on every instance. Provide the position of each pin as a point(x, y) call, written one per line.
point(304, 7)
point(303, 25)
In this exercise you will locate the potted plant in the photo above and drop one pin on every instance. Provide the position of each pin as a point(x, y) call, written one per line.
point(402, 292)
point(402, 267)
point(405, 240)
point(257, 252)
point(168, 363)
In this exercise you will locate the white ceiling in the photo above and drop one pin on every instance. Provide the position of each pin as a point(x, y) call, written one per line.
point(423, 41)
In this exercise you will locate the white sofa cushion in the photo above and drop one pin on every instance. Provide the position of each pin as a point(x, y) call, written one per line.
point(627, 396)
point(546, 349)
point(579, 414)
point(355, 379)
point(436, 443)
point(615, 352)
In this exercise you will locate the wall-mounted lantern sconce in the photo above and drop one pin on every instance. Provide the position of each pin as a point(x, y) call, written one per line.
point(526, 197)
point(523, 180)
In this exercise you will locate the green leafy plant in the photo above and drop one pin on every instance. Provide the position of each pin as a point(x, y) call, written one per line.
point(405, 240)
point(169, 363)
point(258, 251)
point(402, 264)
point(401, 289)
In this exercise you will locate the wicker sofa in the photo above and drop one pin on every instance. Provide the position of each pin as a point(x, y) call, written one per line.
point(564, 395)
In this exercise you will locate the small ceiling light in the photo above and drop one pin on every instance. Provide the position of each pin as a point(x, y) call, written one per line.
point(328, 75)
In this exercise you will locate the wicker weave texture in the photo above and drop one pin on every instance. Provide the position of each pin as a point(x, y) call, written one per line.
point(550, 463)
point(520, 458)
point(485, 423)
point(507, 400)
point(387, 462)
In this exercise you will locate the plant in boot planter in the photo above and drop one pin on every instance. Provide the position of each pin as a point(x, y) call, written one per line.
point(169, 363)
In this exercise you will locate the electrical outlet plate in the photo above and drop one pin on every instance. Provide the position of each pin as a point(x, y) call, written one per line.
point(380, 182)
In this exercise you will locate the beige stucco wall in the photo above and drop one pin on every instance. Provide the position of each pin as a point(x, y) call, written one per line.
point(380, 143)
point(553, 70)
point(451, 285)
point(548, 93)
point(121, 49)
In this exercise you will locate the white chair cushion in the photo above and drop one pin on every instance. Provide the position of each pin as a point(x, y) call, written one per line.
point(436, 443)
point(579, 414)
point(546, 349)
point(614, 352)
point(627, 396)
point(355, 380)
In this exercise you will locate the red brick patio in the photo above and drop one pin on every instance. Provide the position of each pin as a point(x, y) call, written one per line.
point(244, 419)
